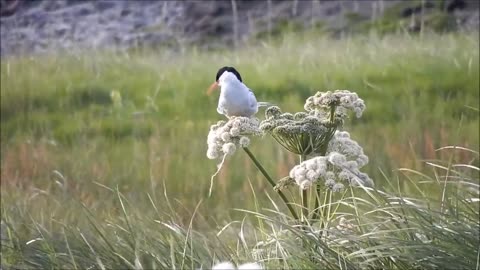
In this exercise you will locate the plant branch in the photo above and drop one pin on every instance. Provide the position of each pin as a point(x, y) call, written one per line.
point(316, 209)
point(304, 195)
point(270, 180)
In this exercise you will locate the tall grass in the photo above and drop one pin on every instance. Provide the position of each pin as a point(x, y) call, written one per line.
point(93, 181)
point(379, 230)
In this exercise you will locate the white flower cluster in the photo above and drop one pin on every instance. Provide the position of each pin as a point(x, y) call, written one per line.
point(231, 266)
point(224, 137)
point(343, 100)
point(342, 143)
point(343, 162)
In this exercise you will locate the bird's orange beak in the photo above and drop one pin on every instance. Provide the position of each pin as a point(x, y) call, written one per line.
point(211, 88)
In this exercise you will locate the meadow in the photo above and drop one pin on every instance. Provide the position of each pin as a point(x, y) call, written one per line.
point(103, 156)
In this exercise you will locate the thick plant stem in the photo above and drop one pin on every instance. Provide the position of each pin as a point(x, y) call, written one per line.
point(316, 207)
point(323, 152)
point(304, 195)
point(304, 205)
point(270, 180)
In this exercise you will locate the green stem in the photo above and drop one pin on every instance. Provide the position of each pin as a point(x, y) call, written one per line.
point(316, 211)
point(304, 205)
point(316, 207)
point(304, 195)
point(357, 217)
point(323, 152)
point(330, 194)
point(332, 114)
point(269, 179)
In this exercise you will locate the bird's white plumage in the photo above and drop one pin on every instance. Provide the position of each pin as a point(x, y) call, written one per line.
point(236, 99)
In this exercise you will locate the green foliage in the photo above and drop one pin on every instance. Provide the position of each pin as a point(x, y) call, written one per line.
point(406, 16)
point(380, 230)
point(115, 132)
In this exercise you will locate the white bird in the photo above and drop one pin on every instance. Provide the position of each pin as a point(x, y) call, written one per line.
point(236, 99)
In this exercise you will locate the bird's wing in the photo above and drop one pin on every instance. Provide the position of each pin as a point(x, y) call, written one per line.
point(252, 99)
point(221, 106)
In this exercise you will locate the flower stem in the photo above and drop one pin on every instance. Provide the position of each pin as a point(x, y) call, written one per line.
point(304, 198)
point(304, 205)
point(316, 211)
point(316, 207)
point(272, 183)
point(332, 114)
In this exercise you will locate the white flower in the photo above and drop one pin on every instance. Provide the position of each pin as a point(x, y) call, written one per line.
point(244, 141)
point(305, 184)
point(300, 172)
point(212, 154)
point(321, 165)
point(333, 166)
point(330, 183)
point(342, 134)
point(337, 187)
point(312, 175)
point(362, 160)
point(336, 158)
point(229, 148)
point(350, 165)
point(222, 141)
point(226, 137)
point(234, 131)
point(250, 266)
point(224, 266)
point(311, 165)
point(344, 176)
point(343, 144)
point(309, 171)
point(347, 157)
point(231, 266)
point(358, 107)
point(342, 100)
point(299, 179)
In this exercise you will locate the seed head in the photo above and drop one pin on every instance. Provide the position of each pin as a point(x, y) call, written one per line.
point(301, 133)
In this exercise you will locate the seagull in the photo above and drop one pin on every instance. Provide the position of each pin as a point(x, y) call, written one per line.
point(236, 99)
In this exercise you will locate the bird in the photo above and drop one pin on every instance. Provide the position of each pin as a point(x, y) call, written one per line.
point(236, 99)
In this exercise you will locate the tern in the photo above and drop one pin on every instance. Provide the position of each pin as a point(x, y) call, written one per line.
point(236, 99)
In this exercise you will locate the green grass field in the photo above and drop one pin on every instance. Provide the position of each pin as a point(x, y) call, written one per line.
point(91, 180)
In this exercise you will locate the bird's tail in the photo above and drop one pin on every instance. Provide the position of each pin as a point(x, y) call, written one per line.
point(264, 104)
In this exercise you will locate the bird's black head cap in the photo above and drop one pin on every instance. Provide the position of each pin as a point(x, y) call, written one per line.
point(229, 69)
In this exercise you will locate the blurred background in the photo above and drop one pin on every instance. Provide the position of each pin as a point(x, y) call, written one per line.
point(98, 95)
point(36, 26)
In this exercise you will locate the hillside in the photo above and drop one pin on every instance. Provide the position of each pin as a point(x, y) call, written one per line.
point(72, 25)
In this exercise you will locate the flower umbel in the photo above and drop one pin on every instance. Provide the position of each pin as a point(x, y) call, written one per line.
point(307, 133)
point(301, 133)
point(225, 138)
point(342, 164)
point(341, 100)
